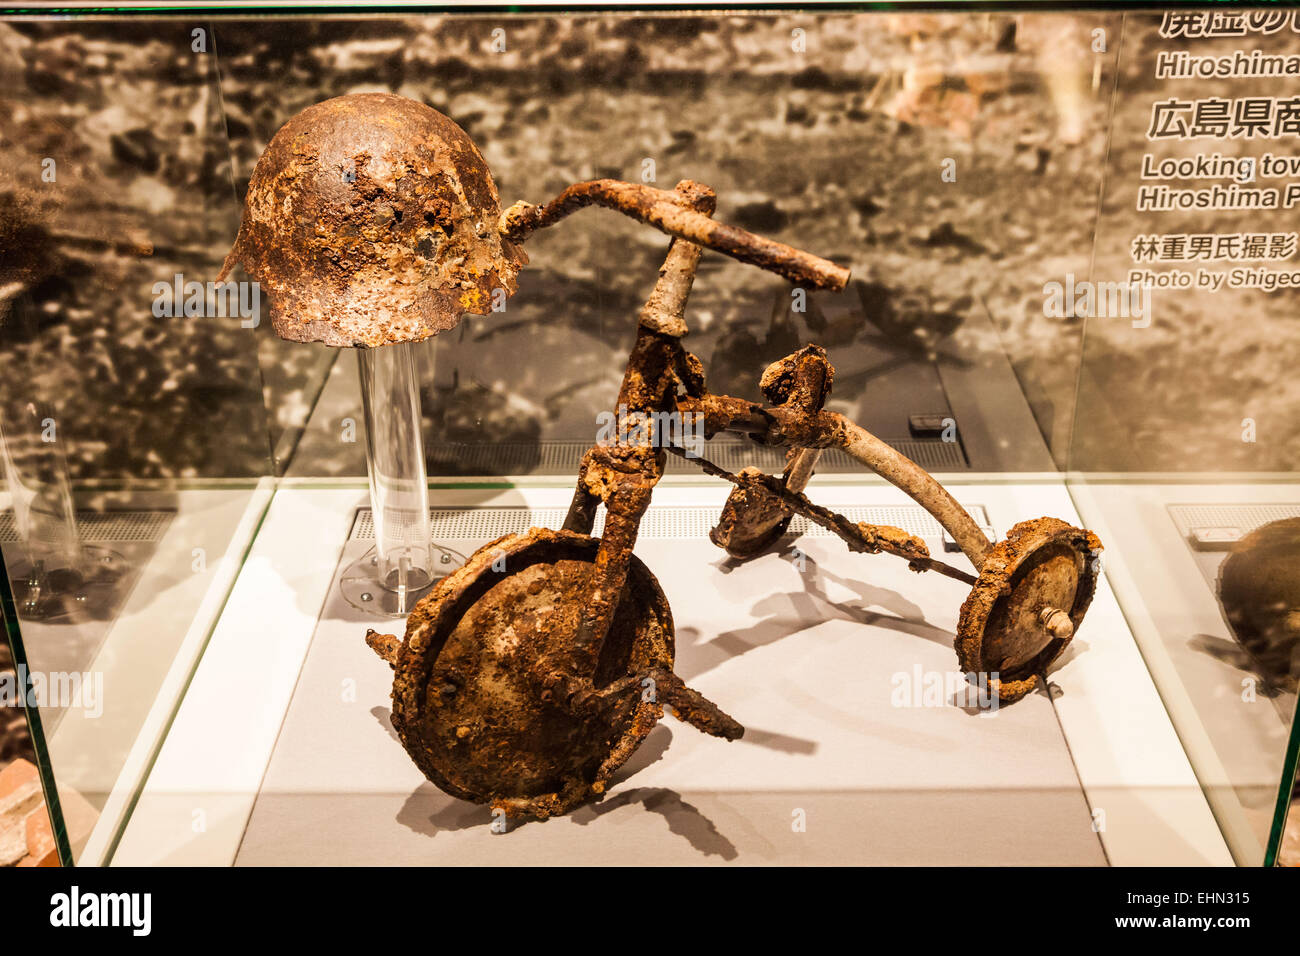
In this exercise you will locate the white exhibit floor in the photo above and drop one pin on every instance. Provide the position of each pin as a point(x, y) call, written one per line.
point(282, 751)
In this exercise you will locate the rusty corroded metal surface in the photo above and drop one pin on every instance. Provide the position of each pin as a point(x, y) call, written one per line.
point(1008, 624)
point(751, 520)
point(372, 219)
point(1259, 589)
point(522, 681)
point(858, 536)
point(621, 475)
point(530, 675)
point(655, 368)
point(664, 311)
point(484, 699)
point(671, 212)
point(800, 428)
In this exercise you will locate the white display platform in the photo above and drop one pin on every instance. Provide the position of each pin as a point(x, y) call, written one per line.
point(145, 656)
point(1235, 737)
point(811, 661)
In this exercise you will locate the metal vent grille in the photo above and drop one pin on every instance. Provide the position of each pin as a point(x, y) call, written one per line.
point(563, 457)
point(103, 526)
point(930, 455)
point(659, 522)
point(1245, 517)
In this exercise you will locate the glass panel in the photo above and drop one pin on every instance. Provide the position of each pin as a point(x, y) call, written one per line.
point(995, 117)
point(1005, 189)
point(926, 152)
point(134, 430)
point(1185, 443)
point(1284, 846)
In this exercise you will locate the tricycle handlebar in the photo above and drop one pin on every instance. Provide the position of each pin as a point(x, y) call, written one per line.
point(671, 213)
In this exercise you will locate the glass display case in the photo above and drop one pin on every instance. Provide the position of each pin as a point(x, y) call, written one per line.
point(1071, 275)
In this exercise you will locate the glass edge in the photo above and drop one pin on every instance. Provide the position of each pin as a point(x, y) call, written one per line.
point(1283, 806)
point(44, 766)
point(553, 9)
point(129, 810)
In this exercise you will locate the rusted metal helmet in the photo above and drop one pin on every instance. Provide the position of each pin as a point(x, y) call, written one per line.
point(371, 219)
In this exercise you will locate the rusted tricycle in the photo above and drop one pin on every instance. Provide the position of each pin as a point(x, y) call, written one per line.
point(528, 676)
point(531, 674)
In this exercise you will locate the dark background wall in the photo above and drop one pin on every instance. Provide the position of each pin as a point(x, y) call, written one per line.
point(836, 148)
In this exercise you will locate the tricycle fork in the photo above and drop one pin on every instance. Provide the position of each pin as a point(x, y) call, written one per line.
point(752, 519)
point(791, 425)
point(622, 474)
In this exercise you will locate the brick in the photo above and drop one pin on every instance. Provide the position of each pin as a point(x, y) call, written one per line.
point(17, 774)
point(40, 835)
